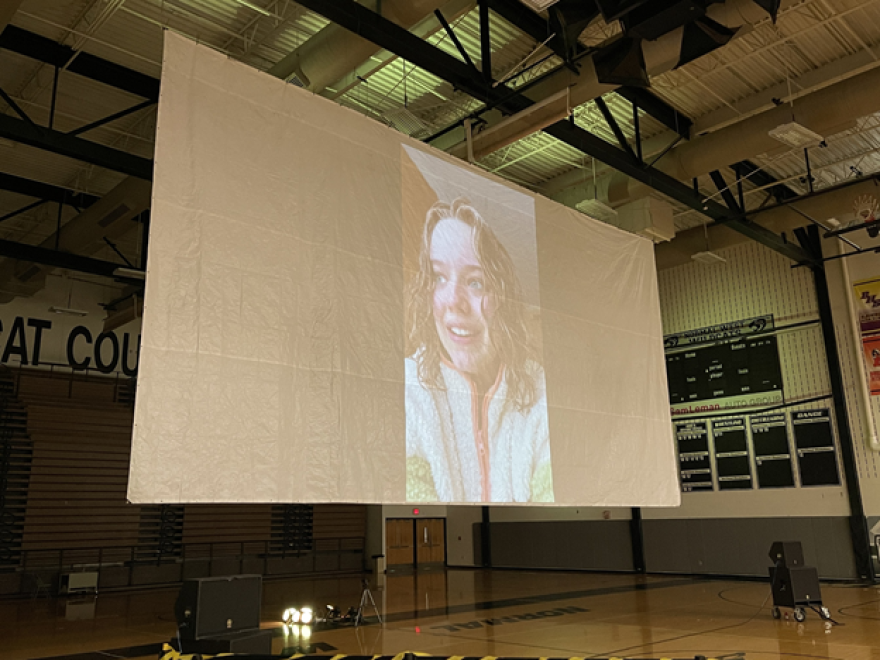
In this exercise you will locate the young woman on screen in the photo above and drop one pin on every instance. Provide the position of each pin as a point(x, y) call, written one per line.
point(476, 411)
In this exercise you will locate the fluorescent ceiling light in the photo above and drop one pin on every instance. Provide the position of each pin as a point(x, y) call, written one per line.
point(795, 135)
point(250, 5)
point(708, 257)
point(406, 122)
point(68, 311)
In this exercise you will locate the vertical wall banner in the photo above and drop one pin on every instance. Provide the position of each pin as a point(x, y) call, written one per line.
point(871, 348)
point(335, 312)
point(867, 295)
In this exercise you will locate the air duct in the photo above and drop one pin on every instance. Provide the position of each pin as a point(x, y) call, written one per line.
point(334, 51)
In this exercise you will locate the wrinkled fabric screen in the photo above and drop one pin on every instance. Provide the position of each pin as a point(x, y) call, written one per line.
point(337, 313)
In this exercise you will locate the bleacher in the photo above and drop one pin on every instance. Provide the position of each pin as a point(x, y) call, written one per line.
point(73, 434)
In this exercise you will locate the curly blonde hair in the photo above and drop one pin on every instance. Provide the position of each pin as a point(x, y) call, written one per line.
point(508, 329)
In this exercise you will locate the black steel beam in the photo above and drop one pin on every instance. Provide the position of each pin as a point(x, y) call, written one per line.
point(395, 39)
point(23, 209)
point(75, 147)
point(43, 49)
point(724, 189)
point(15, 107)
point(614, 126)
point(46, 191)
point(657, 108)
point(111, 118)
point(861, 542)
point(748, 170)
point(57, 259)
point(454, 37)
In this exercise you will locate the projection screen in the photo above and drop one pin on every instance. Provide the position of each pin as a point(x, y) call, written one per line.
point(335, 312)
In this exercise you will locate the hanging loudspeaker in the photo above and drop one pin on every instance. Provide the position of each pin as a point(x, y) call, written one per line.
point(622, 63)
point(701, 37)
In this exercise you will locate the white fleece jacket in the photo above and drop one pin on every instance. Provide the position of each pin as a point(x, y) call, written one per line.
point(440, 429)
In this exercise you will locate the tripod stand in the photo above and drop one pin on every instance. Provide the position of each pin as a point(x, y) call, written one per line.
point(366, 598)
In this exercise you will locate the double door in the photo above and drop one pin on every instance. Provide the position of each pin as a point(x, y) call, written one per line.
point(415, 542)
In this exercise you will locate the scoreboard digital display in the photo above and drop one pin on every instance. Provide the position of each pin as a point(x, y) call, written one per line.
point(735, 369)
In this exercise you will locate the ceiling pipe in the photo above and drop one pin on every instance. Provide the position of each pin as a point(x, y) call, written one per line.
point(334, 51)
point(826, 112)
point(661, 55)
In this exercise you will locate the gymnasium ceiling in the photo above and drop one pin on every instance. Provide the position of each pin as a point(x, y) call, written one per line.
point(811, 45)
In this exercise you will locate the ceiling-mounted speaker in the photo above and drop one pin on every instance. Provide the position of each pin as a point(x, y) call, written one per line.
point(622, 63)
point(701, 37)
point(770, 6)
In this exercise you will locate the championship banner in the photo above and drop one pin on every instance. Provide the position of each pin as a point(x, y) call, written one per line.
point(867, 295)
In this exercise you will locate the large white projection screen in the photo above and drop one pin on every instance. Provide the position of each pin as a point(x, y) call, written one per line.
point(337, 313)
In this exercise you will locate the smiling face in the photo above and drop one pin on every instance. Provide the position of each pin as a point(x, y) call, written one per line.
point(463, 308)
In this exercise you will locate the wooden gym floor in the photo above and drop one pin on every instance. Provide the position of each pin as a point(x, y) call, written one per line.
point(479, 612)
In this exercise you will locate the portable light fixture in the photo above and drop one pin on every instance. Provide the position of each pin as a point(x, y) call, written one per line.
point(298, 615)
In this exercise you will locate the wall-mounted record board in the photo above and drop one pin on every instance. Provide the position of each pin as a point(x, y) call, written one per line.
point(693, 455)
point(731, 453)
point(814, 440)
point(772, 451)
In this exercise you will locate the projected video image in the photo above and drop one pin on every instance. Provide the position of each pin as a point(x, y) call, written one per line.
point(476, 407)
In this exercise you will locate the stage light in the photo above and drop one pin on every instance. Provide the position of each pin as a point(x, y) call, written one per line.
point(306, 615)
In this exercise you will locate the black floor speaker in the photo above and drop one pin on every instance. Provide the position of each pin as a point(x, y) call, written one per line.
point(211, 607)
point(795, 586)
point(788, 553)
